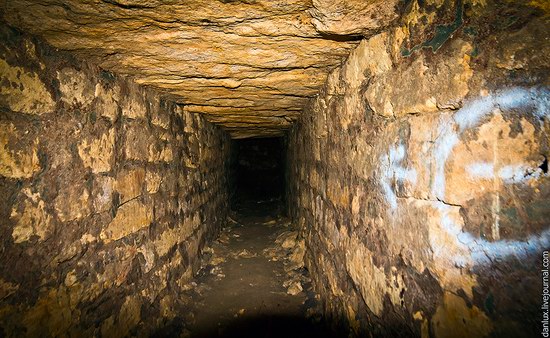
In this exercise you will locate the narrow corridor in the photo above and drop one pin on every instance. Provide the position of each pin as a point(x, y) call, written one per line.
point(252, 282)
point(274, 168)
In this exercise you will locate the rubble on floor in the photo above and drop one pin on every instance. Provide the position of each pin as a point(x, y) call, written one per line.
point(228, 281)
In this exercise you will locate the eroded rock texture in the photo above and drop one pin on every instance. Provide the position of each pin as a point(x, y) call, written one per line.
point(419, 175)
point(108, 193)
point(248, 65)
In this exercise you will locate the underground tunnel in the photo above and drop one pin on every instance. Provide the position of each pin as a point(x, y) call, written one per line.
point(258, 175)
point(286, 168)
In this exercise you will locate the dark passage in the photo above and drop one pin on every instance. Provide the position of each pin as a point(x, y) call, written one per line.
point(257, 173)
point(283, 168)
point(253, 282)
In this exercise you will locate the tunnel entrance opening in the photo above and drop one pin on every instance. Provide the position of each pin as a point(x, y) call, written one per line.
point(257, 175)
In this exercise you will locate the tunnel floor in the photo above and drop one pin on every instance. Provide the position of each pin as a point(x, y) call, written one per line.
point(252, 282)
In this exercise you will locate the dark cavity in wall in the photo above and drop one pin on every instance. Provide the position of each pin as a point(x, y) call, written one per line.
point(257, 174)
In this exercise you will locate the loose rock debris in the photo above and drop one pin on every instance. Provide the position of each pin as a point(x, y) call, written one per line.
point(254, 268)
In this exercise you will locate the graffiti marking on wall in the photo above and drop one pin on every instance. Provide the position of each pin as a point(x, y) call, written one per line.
point(533, 100)
point(393, 171)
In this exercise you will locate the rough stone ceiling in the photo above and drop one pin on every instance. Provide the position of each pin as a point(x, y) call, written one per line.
point(248, 65)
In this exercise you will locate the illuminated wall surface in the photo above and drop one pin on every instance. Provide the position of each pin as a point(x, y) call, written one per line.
point(420, 180)
point(416, 138)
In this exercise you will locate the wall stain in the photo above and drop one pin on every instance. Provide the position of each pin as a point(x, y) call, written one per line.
point(442, 33)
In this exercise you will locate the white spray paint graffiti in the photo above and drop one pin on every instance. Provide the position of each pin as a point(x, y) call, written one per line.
point(508, 174)
point(393, 171)
point(483, 251)
point(536, 100)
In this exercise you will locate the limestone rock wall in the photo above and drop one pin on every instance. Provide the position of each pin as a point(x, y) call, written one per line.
point(419, 175)
point(107, 195)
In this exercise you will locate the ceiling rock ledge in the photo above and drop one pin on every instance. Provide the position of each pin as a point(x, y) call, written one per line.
point(249, 66)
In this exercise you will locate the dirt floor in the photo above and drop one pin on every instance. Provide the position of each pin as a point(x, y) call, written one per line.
point(253, 283)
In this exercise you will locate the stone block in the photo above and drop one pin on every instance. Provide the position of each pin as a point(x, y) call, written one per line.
point(98, 153)
point(23, 91)
point(130, 183)
point(76, 87)
point(102, 193)
point(133, 104)
point(72, 203)
point(160, 152)
point(17, 160)
point(130, 218)
point(32, 220)
point(153, 180)
point(170, 237)
point(136, 145)
point(107, 102)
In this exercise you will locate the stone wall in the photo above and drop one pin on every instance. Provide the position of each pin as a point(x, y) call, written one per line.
point(108, 192)
point(419, 175)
